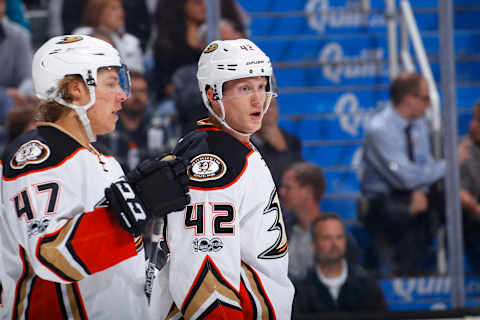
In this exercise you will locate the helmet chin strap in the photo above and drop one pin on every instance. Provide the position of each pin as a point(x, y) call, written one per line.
point(82, 112)
point(224, 122)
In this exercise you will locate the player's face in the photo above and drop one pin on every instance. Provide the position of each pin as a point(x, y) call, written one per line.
point(291, 192)
point(244, 101)
point(330, 242)
point(113, 16)
point(109, 98)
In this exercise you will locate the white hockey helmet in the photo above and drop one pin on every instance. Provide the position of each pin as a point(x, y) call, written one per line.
point(75, 55)
point(227, 60)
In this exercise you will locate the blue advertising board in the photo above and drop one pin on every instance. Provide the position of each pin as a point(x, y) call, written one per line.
point(427, 293)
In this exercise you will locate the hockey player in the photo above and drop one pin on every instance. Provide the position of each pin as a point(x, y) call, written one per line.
point(228, 248)
point(70, 223)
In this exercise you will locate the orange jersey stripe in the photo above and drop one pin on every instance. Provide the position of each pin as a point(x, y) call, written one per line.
point(44, 302)
point(99, 241)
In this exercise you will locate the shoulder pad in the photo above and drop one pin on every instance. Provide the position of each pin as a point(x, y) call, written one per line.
point(217, 158)
point(44, 147)
point(192, 144)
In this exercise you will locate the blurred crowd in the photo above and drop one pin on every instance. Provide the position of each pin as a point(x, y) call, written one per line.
point(402, 183)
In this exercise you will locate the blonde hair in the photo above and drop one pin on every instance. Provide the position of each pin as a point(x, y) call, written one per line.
point(50, 110)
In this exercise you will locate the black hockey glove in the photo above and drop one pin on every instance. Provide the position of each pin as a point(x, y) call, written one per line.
point(126, 206)
point(161, 185)
point(153, 189)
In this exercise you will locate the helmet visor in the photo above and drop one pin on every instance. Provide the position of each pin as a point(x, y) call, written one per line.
point(124, 79)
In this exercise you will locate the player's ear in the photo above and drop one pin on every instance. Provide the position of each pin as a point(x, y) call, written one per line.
point(210, 95)
point(213, 102)
point(77, 90)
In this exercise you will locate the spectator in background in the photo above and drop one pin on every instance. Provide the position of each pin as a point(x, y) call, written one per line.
point(16, 56)
point(470, 193)
point(19, 121)
point(63, 18)
point(16, 13)
point(186, 96)
point(333, 284)
point(137, 20)
point(138, 136)
point(279, 148)
point(177, 41)
point(303, 186)
point(108, 17)
point(399, 177)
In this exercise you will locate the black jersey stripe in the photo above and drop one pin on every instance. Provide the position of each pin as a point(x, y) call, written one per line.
point(259, 289)
point(61, 303)
point(72, 250)
point(252, 300)
point(21, 287)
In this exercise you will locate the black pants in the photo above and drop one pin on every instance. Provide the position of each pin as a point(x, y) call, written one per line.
point(402, 241)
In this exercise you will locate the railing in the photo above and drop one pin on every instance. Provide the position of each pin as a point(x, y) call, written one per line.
point(410, 26)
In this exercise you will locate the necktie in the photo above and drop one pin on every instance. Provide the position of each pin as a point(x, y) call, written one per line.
point(408, 135)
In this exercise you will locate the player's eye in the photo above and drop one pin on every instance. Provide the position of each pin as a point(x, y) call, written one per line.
point(245, 90)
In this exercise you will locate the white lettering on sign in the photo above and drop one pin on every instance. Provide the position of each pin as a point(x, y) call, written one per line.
point(339, 65)
point(322, 14)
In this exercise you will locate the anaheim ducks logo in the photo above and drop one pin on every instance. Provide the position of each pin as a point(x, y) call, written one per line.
point(280, 246)
point(70, 39)
point(32, 152)
point(207, 167)
point(211, 48)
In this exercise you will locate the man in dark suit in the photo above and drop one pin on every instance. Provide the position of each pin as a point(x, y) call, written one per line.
point(332, 284)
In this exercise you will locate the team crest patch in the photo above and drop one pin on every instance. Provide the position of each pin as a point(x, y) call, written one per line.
point(70, 39)
point(207, 167)
point(211, 48)
point(32, 152)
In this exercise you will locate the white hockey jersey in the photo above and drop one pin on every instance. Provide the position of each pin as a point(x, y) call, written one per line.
point(64, 254)
point(228, 248)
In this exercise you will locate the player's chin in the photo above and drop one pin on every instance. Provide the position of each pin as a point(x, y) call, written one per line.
point(107, 128)
point(254, 125)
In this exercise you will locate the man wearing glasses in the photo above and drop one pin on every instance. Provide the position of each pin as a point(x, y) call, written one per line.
point(398, 178)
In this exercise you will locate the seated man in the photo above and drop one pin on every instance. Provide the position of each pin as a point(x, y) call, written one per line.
point(303, 186)
point(333, 284)
point(398, 178)
point(470, 193)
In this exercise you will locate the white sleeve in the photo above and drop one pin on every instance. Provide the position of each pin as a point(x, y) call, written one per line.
point(56, 233)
